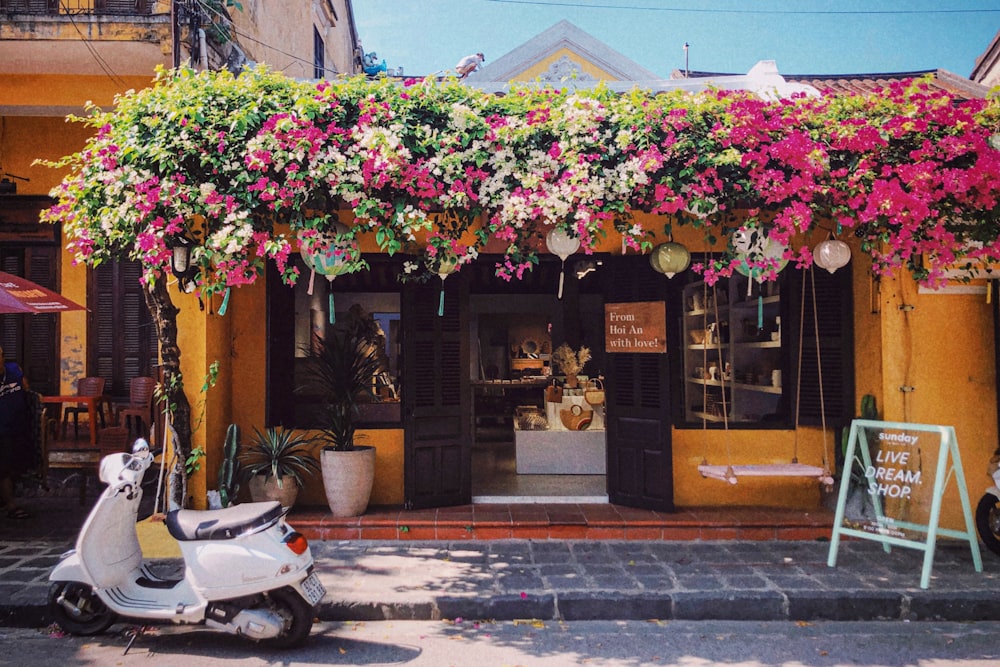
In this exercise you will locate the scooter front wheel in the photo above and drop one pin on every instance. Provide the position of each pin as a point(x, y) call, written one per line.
point(93, 617)
point(298, 617)
point(988, 522)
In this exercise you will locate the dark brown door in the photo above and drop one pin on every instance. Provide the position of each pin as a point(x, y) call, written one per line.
point(640, 470)
point(32, 340)
point(435, 369)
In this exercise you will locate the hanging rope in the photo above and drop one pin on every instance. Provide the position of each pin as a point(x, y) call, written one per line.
point(729, 476)
point(819, 373)
point(704, 369)
point(722, 385)
point(798, 375)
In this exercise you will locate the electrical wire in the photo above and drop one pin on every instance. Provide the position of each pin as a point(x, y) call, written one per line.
point(98, 58)
point(250, 38)
point(691, 10)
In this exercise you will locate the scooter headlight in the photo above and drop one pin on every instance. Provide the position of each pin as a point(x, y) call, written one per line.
point(297, 542)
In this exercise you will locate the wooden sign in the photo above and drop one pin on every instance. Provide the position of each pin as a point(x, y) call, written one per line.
point(635, 327)
point(893, 487)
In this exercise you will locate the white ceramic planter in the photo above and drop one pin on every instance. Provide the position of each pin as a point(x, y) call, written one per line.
point(347, 479)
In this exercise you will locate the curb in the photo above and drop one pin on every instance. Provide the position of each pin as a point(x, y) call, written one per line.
point(702, 606)
point(597, 606)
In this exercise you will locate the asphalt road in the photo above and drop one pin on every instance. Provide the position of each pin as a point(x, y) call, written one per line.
point(533, 643)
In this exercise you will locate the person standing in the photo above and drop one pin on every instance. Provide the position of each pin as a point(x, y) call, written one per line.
point(15, 434)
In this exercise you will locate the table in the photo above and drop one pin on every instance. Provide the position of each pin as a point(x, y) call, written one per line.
point(92, 403)
point(494, 403)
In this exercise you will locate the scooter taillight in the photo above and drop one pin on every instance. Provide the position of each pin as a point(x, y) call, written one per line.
point(297, 542)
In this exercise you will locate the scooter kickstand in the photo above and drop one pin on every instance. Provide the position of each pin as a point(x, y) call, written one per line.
point(133, 635)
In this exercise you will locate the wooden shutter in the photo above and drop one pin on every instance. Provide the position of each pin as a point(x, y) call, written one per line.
point(123, 342)
point(640, 466)
point(438, 468)
point(834, 314)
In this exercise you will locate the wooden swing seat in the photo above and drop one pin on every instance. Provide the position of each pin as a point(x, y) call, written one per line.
point(732, 474)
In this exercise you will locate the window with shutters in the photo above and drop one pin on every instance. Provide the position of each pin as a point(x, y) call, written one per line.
point(368, 299)
point(741, 352)
point(122, 337)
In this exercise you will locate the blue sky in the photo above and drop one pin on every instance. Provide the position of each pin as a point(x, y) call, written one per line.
point(803, 36)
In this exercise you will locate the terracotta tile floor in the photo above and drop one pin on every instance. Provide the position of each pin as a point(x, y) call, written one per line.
point(566, 521)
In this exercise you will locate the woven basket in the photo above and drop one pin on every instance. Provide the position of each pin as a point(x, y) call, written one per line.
point(594, 393)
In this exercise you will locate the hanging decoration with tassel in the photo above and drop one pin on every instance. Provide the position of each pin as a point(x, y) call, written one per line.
point(562, 245)
point(753, 247)
point(443, 264)
point(326, 255)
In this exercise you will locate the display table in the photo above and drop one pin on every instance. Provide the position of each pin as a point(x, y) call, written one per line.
point(559, 452)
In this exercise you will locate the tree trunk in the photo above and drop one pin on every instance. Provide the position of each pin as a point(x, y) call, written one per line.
point(164, 314)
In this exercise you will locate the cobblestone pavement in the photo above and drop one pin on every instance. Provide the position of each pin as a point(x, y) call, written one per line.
point(588, 580)
point(568, 579)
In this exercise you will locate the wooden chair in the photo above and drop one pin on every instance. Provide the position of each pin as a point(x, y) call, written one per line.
point(88, 386)
point(139, 406)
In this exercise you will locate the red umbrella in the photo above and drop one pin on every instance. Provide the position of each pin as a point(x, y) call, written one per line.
point(18, 295)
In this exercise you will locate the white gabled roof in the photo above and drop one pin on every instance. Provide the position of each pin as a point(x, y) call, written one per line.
point(496, 77)
point(563, 35)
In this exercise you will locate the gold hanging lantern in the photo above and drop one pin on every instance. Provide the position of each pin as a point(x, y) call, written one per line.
point(670, 258)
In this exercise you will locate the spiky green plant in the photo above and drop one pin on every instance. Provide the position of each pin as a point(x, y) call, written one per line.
point(279, 453)
point(342, 366)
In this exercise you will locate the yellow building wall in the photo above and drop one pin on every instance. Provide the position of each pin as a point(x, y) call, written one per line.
point(939, 368)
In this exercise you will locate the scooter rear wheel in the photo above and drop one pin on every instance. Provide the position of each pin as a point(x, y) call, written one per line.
point(298, 617)
point(988, 522)
point(94, 618)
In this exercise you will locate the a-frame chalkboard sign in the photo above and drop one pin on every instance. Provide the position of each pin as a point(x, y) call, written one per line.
point(886, 495)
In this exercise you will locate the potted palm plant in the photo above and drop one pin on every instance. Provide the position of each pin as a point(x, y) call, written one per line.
point(276, 463)
point(342, 366)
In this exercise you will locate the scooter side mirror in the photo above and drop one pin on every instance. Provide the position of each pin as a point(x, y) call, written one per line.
point(140, 447)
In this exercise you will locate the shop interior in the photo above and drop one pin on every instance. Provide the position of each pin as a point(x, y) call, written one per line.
point(523, 450)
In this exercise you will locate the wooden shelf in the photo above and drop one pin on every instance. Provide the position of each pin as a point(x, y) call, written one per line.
point(747, 356)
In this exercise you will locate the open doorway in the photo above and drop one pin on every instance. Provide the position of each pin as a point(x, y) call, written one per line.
point(521, 452)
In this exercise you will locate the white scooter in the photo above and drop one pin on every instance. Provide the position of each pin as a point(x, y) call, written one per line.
point(246, 571)
point(988, 510)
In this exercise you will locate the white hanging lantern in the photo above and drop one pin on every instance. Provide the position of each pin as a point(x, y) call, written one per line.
point(561, 244)
point(670, 258)
point(831, 254)
point(443, 264)
point(328, 258)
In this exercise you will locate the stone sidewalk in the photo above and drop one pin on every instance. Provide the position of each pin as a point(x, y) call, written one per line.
point(599, 580)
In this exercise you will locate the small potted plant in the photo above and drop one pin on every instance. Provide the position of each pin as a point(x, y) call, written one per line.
point(276, 463)
point(571, 363)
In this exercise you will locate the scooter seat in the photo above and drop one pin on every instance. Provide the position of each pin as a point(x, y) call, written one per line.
point(225, 524)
